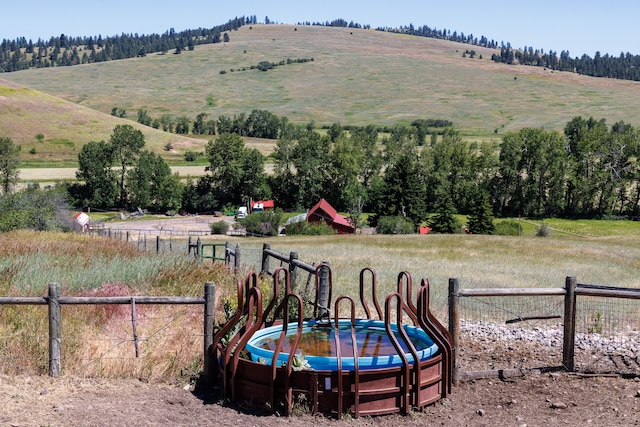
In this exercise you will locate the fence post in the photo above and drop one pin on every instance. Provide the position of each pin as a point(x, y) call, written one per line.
point(454, 326)
point(265, 257)
point(568, 345)
point(236, 263)
point(227, 253)
point(157, 244)
point(55, 330)
point(198, 248)
point(209, 319)
point(325, 289)
point(293, 271)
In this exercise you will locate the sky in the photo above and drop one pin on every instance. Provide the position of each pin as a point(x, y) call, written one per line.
point(580, 27)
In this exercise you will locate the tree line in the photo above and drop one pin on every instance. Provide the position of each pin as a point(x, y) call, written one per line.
point(22, 54)
point(590, 170)
point(625, 66)
point(258, 124)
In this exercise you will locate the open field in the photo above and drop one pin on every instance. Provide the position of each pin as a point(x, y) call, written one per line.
point(357, 77)
point(69, 174)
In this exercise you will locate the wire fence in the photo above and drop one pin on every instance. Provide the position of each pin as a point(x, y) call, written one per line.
point(501, 333)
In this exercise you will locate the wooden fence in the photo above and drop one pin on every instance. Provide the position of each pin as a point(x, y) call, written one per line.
point(54, 300)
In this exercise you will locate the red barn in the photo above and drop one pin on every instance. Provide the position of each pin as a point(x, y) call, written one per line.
point(323, 211)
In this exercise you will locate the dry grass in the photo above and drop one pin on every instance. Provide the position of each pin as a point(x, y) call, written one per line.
point(98, 339)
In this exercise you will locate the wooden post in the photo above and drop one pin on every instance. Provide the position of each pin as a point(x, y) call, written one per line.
point(189, 246)
point(454, 326)
point(325, 290)
point(209, 319)
point(236, 263)
point(55, 330)
point(227, 253)
point(265, 257)
point(134, 326)
point(198, 248)
point(568, 346)
point(157, 244)
point(293, 271)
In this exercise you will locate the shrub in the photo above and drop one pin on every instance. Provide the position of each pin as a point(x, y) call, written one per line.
point(543, 230)
point(262, 223)
point(394, 225)
point(190, 156)
point(508, 228)
point(35, 209)
point(219, 227)
point(310, 229)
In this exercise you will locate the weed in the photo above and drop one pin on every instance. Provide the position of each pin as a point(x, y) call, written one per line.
point(597, 323)
point(300, 405)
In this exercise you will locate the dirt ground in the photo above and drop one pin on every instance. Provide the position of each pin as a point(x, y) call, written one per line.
point(531, 400)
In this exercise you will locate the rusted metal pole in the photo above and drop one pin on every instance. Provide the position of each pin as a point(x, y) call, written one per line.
point(568, 346)
point(454, 326)
point(55, 330)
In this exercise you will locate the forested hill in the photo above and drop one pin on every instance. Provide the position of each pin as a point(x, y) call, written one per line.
point(625, 67)
point(20, 54)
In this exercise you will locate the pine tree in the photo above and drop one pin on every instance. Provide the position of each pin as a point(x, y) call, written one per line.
point(481, 217)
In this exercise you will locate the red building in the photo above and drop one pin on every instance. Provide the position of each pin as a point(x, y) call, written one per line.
point(323, 211)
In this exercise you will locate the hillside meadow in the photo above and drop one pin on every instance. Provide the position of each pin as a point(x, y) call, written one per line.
point(357, 77)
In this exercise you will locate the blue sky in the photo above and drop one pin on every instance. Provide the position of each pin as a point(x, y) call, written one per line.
point(580, 27)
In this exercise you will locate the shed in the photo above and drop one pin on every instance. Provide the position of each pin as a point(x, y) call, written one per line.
point(323, 211)
point(262, 205)
point(81, 222)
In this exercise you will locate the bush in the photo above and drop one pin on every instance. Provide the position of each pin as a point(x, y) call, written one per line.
point(310, 229)
point(394, 225)
point(264, 223)
point(190, 156)
point(35, 209)
point(543, 230)
point(508, 228)
point(219, 227)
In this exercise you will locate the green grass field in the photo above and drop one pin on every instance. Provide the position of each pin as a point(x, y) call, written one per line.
point(358, 77)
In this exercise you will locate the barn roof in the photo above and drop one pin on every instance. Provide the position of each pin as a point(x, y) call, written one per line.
point(323, 211)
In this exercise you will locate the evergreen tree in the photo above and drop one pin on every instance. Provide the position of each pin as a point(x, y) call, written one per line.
point(444, 220)
point(480, 220)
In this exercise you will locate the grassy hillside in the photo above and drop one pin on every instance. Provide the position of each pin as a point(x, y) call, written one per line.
point(357, 77)
point(65, 127)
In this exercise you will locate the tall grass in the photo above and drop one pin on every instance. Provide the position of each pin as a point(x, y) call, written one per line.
point(98, 340)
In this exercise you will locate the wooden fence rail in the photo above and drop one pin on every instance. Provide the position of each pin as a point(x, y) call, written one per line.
point(54, 300)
